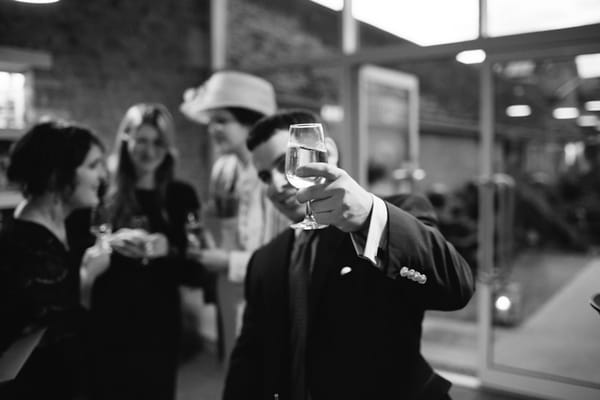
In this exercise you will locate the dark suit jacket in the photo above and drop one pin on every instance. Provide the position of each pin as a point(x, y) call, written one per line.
point(365, 325)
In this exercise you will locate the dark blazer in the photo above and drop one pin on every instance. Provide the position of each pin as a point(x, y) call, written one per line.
point(365, 325)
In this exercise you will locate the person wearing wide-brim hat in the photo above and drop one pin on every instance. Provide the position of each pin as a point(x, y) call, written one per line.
point(229, 103)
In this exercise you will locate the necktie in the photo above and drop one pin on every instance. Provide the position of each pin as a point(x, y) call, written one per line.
point(299, 277)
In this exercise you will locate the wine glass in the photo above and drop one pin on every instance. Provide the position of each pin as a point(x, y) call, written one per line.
point(100, 226)
point(193, 230)
point(306, 145)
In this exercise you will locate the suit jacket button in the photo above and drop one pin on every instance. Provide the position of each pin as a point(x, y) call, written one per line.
point(345, 270)
point(422, 279)
point(403, 271)
point(411, 274)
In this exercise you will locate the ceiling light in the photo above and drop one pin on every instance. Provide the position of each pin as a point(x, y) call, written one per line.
point(452, 21)
point(38, 1)
point(471, 56)
point(332, 113)
point(519, 69)
point(588, 65)
point(518, 110)
point(593, 105)
point(336, 5)
point(587, 120)
point(565, 113)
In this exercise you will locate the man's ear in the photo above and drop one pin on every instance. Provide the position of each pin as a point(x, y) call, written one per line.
point(333, 155)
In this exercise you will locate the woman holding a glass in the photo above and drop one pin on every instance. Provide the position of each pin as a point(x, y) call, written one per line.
point(136, 305)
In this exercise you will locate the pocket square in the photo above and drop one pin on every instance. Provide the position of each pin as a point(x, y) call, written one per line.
point(345, 270)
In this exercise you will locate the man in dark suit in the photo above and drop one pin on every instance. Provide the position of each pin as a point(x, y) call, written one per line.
point(374, 272)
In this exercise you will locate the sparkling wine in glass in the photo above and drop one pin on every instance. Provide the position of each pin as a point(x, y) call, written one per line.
point(100, 226)
point(306, 145)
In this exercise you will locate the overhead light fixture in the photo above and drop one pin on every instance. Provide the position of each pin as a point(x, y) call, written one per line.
point(38, 1)
point(593, 105)
point(453, 21)
point(335, 5)
point(587, 120)
point(332, 113)
point(519, 69)
point(588, 65)
point(565, 113)
point(518, 110)
point(471, 56)
point(508, 304)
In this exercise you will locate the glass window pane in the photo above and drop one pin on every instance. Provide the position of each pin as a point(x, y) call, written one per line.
point(547, 222)
point(12, 100)
point(508, 17)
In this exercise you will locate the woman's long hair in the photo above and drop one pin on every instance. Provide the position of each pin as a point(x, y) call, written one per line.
point(121, 199)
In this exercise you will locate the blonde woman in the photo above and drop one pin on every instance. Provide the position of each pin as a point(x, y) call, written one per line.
point(136, 304)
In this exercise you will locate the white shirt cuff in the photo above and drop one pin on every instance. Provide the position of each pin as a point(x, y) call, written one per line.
point(377, 223)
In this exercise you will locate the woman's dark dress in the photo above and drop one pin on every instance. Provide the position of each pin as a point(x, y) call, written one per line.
point(39, 287)
point(136, 313)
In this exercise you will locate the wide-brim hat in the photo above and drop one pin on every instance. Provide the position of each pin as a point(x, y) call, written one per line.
point(229, 89)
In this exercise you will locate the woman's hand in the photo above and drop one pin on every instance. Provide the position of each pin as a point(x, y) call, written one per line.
point(129, 242)
point(157, 245)
point(95, 262)
point(137, 243)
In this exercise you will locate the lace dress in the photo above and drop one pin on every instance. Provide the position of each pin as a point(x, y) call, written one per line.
point(39, 287)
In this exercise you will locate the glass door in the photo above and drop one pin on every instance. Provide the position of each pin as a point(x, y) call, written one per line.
point(388, 129)
point(539, 202)
point(419, 134)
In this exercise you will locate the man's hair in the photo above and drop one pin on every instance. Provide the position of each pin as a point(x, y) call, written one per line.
point(266, 127)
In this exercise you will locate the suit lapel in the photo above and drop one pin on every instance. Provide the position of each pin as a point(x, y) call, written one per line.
point(330, 239)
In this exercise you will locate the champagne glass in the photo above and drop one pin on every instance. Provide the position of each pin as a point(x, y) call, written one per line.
point(100, 226)
point(306, 145)
point(193, 230)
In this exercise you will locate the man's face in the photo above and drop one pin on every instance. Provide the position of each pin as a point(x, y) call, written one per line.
point(269, 160)
point(226, 132)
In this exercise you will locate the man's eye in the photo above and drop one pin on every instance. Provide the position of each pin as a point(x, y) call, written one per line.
point(265, 177)
point(280, 165)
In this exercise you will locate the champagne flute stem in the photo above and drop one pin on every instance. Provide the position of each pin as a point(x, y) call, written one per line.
point(309, 213)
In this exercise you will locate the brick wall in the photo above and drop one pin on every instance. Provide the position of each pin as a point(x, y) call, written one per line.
point(109, 54)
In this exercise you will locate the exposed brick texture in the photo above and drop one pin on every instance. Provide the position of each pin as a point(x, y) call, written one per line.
point(109, 54)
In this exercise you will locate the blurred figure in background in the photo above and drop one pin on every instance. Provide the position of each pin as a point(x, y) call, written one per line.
point(229, 103)
point(136, 305)
point(59, 168)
